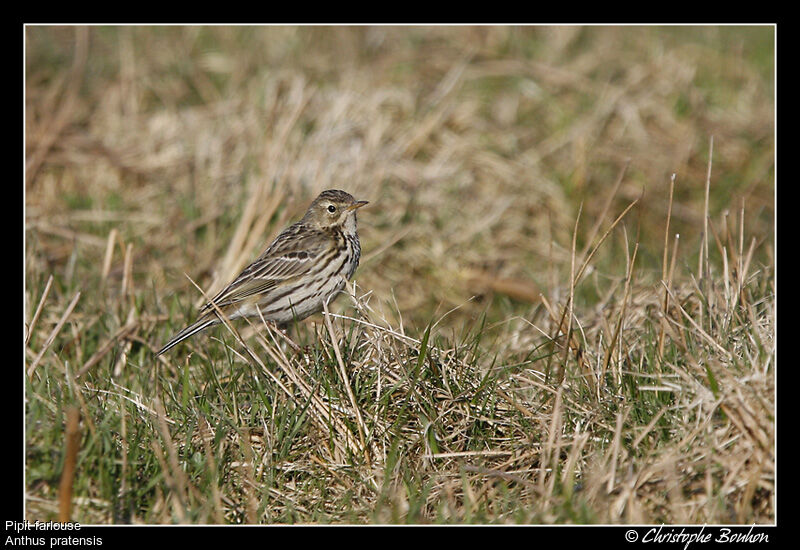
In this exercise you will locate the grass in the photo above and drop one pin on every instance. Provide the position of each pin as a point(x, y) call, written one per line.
point(565, 310)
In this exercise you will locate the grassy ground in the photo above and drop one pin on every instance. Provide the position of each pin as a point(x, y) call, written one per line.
point(564, 312)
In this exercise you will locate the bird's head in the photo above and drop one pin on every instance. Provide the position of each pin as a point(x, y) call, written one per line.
point(333, 208)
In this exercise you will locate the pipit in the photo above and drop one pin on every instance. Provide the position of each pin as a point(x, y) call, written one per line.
point(304, 267)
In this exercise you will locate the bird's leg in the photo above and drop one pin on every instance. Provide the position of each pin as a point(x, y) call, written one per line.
point(282, 331)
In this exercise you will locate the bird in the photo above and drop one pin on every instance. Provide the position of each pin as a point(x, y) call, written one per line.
point(303, 268)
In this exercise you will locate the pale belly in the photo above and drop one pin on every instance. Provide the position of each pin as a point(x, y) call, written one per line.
point(283, 306)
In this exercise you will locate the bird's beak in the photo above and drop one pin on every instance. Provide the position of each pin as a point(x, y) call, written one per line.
point(357, 204)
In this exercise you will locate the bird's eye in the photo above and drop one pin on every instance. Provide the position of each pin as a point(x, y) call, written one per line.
point(331, 209)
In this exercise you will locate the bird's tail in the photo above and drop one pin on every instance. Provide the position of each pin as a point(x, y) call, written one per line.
point(191, 330)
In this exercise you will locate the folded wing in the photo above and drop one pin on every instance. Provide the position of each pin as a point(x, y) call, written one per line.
point(292, 255)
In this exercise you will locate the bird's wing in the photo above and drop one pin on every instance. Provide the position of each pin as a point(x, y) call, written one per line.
point(292, 254)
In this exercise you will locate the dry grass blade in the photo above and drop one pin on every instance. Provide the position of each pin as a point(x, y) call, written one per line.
point(588, 259)
point(552, 446)
point(174, 474)
point(665, 273)
point(123, 332)
point(250, 486)
point(109, 255)
point(697, 327)
point(703, 257)
point(205, 436)
point(604, 211)
point(649, 427)
point(127, 274)
point(32, 325)
point(613, 455)
point(52, 336)
point(566, 313)
point(345, 380)
point(617, 336)
point(72, 437)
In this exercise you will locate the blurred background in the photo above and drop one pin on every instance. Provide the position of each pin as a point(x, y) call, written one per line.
point(476, 147)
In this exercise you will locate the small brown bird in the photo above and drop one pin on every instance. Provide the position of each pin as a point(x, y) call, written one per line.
point(302, 268)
